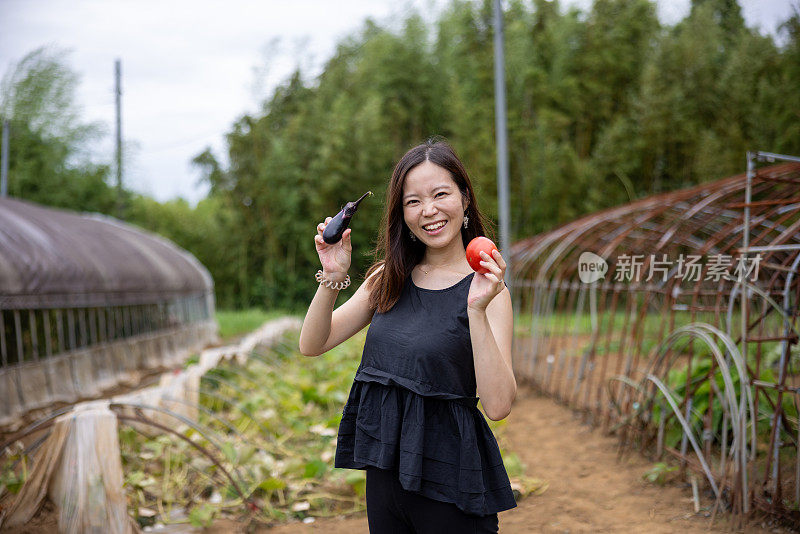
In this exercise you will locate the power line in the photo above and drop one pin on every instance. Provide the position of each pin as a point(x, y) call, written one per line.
point(118, 95)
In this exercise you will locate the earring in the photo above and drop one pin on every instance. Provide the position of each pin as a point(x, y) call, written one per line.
point(466, 220)
point(413, 237)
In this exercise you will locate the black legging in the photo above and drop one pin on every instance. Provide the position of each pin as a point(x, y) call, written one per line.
point(394, 510)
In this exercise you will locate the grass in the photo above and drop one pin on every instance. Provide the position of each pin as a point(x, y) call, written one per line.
point(652, 330)
point(234, 323)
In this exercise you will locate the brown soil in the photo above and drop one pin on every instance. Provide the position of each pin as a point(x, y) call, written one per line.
point(46, 520)
point(589, 489)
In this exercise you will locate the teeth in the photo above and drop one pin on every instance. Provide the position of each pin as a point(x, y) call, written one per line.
point(434, 226)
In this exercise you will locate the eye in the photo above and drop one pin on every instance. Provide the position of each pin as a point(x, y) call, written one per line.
point(409, 202)
point(441, 193)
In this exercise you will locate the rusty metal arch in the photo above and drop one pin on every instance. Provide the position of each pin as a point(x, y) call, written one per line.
point(588, 343)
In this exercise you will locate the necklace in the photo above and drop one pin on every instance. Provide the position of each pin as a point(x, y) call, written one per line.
point(427, 272)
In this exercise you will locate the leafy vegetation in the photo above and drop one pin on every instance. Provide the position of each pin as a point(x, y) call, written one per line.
point(14, 470)
point(272, 425)
point(659, 473)
point(700, 387)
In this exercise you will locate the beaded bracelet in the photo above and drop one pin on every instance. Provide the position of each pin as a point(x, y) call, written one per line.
point(330, 283)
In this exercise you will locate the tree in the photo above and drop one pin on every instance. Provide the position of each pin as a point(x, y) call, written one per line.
point(49, 161)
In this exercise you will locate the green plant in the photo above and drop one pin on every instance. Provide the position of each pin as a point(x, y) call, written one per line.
point(270, 423)
point(658, 473)
point(203, 515)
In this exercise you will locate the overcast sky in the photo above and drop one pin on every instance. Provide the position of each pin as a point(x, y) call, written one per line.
point(192, 67)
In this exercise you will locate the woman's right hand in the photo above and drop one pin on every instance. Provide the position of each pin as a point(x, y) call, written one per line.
point(335, 258)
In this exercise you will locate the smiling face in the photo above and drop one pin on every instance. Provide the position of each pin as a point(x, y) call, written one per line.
point(433, 206)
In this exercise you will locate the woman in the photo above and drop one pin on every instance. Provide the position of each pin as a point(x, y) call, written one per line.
point(440, 333)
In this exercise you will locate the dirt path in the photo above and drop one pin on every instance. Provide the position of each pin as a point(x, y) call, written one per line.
point(589, 490)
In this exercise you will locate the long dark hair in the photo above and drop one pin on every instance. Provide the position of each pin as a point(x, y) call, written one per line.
point(395, 250)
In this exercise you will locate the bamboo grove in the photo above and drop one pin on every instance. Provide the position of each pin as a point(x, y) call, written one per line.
point(605, 105)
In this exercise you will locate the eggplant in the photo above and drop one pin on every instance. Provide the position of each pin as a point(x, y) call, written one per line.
point(334, 229)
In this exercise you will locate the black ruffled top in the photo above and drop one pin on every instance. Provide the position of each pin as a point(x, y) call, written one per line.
point(412, 406)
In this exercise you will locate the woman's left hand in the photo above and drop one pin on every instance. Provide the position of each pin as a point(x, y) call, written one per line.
point(487, 286)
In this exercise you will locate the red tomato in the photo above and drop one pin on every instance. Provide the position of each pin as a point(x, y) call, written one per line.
point(474, 249)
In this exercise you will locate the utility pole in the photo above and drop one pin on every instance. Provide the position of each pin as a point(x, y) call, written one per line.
point(501, 137)
point(118, 94)
point(4, 164)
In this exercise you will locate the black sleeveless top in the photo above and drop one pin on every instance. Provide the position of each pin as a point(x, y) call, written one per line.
point(412, 406)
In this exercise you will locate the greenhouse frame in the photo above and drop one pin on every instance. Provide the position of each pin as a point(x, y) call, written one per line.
point(672, 321)
point(89, 304)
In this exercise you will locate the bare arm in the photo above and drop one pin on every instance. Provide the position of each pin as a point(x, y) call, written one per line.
point(491, 328)
point(491, 332)
point(324, 328)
